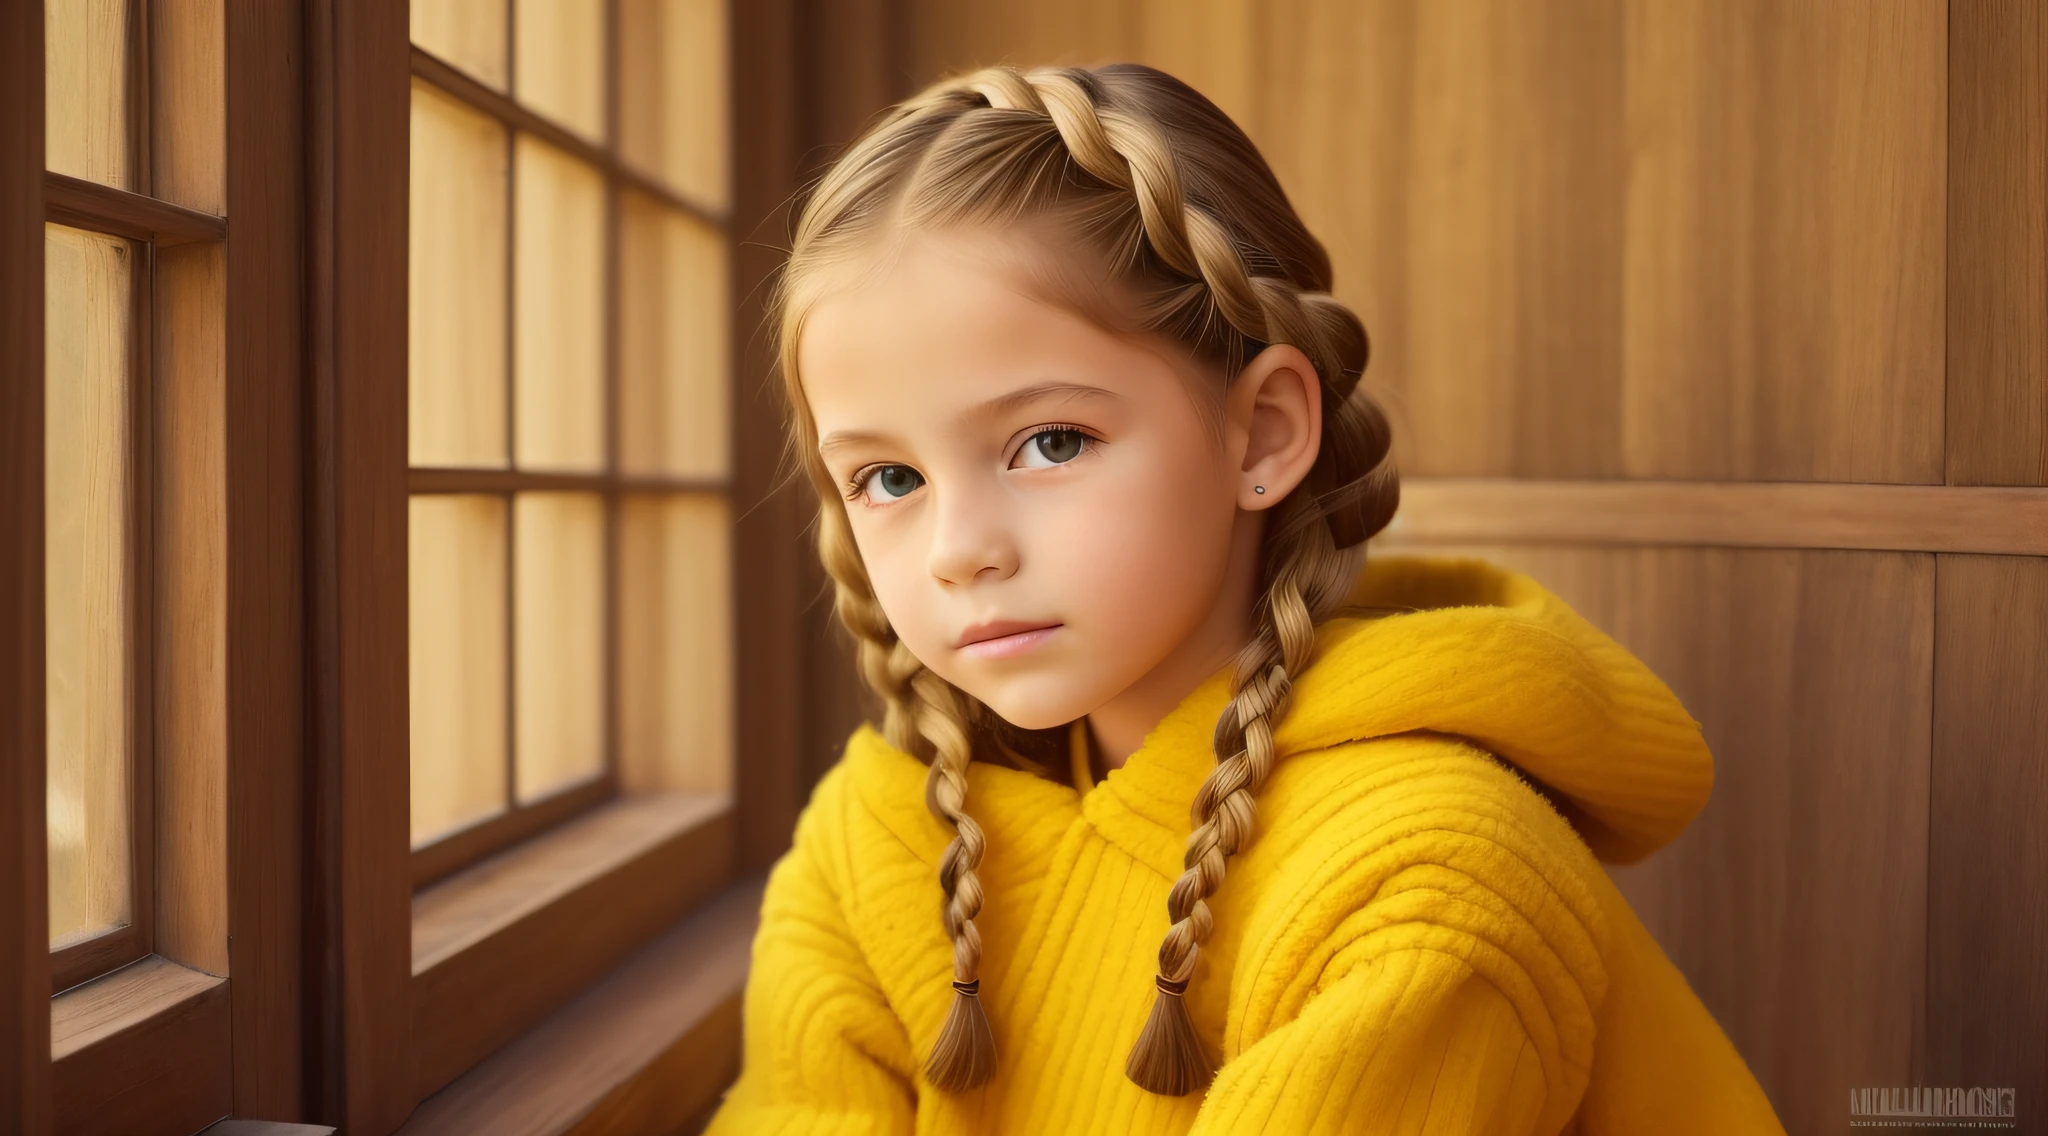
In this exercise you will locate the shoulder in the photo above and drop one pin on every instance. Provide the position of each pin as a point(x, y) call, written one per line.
point(1421, 842)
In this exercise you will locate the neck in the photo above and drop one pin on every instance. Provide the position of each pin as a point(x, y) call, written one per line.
point(1117, 728)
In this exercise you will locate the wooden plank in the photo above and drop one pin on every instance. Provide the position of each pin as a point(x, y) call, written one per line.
point(1796, 902)
point(1560, 275)
point(770, 515)
point(430, 480)
point(1906, 518)
point(1997, 243)
point(464, 847)
point(1987, 917)
point(265, 675)
point(187, 105)
point(358, 115)
point(191, 589)
point(582, 898)
point(24, 868)
point(142, 1051)
point(236, 1127)
point(89, 205)
point(642, 1051)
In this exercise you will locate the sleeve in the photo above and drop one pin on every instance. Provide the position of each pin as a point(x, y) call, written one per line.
point(1416, 1042)
point(823, 1051)
point(1455, 995)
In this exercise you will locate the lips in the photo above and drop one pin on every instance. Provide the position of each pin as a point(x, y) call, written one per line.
point(996, 629)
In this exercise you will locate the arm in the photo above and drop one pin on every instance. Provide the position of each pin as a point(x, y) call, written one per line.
point(824, 1053)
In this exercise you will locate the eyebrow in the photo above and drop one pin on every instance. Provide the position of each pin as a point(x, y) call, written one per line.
point(1001, 404)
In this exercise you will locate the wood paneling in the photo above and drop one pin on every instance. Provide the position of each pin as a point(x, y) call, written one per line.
point(24, 871)
point(1596, 238)
point(1997, 243)
point(1786, 514)
point(1796, 904)
point(187, 103)
point(1987, 1001)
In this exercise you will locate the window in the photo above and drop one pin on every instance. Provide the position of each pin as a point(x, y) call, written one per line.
point(567, 411)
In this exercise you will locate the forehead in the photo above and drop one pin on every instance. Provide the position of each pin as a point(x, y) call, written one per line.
point(941, 322)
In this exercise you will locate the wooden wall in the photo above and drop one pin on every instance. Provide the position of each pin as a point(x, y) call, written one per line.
point(1672, 248)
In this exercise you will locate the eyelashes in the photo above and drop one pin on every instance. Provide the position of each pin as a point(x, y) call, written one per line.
point(857, 485)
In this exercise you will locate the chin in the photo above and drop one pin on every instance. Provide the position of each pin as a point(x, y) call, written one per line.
point(1030, 709)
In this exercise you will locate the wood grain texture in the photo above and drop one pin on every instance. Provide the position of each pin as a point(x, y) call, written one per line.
point(89, 205)
point(1905, 518)
point(235, 1127)
point(143, 1051)
point(642, 1051)
point(24, 869)
point(582, 898)
point(191, 589)
point(770, 510)
point(1987, 918)
point(1796, 904)
point(1997, 243)
point(265, 678)
point(360, 929)
point(1594, 238)
point(187, 103)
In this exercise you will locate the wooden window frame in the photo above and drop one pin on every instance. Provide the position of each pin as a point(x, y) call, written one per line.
point(196, 1027)
point(602, 887)
point(520, 821)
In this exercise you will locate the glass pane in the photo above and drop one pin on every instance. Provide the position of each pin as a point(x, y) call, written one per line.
point(86, 553)
point(675, 646)
point(457, 661)
point(673, 362)
point(560, 633)
point(456, 305)
point(672, 99)
point(560, 69)
point(558, 314)
point(85, 89)
point(467, 33)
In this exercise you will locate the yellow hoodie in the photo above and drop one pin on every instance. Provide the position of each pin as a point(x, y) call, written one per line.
point(1416, 939)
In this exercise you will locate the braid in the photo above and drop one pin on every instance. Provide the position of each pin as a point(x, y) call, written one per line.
point(922, 716)
point(1225, 267)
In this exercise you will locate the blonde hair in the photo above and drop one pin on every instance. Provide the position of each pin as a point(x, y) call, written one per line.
point(1139, 170)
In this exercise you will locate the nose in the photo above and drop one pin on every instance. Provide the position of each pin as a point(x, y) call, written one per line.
point(970, 535)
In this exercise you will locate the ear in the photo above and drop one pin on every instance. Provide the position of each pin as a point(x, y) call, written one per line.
point(1275, 413)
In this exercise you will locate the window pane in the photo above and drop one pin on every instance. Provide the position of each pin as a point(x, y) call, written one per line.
point(675, 644)
point(673, 361)
point(85, 90)
point(560, 633)
point(86, 300)
point(558, 318)
point(673, 104)
point(457, 661)
point(467, 33)
point(560, 70)
point(456, 306)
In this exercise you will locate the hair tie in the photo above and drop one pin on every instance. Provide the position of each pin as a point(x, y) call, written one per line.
point(1168, 986)
point(971, 989)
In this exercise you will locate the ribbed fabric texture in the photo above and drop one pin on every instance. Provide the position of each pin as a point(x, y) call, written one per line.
point(1417, 939)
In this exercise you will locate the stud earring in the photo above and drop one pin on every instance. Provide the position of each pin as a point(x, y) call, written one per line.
point(1258, 489)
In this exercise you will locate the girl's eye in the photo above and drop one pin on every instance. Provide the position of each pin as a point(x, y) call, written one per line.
point(894, 481)
point(1054, 445)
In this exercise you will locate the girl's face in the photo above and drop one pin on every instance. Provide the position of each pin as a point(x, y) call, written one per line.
point(1009, 465)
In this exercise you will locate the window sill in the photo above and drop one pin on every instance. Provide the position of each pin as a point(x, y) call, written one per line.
point(499, 946)
point(648, 1049)
point(142, 1050)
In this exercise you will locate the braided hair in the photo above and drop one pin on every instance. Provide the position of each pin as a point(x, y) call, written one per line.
point(1138, 169)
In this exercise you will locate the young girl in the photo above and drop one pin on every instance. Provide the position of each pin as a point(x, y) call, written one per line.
point(1182, 816)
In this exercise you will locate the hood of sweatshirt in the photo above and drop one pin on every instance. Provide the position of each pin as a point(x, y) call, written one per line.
point(1474, 651)
point(1489, 655)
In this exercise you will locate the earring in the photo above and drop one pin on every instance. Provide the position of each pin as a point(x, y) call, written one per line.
point(1258, 489)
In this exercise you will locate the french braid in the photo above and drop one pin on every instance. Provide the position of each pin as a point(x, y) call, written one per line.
point(1187, 212)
